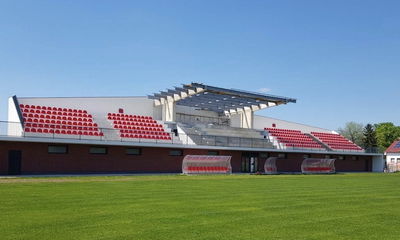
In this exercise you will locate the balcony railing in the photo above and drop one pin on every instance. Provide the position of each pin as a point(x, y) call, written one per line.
point(187, 118)
point(15, 129)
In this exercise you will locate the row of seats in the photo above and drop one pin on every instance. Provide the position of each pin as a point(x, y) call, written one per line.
point(303, 145)
point(26, 106)
point(59, 122)
point(297, 136)
point(336, 141)
point(145, 132)
point(132, 119)
point(145, 136)
point(293, 138)
point(341, 147)
point(56, 120)
point(40, 119)
point(120, 127)
point(29, 113)
point(63, 131)
point(56, 126)
point(297, 141)
point(282, 130)
point(208, 169)
point(136, 126)
point(141, 127)
point(128, 116)
point(55, 113)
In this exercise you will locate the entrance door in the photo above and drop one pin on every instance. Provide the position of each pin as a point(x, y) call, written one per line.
point(14, 162)
point(249, 162)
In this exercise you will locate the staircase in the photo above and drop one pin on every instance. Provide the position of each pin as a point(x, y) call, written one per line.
point(320, 142)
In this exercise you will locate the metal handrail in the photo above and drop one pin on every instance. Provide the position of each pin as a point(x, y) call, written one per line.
point(111, 134)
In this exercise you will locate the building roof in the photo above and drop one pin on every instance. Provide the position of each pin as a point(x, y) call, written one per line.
point(394, 148)
point(222, 100)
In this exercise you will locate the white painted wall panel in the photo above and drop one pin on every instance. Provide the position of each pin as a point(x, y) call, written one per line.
point(14, 127)
point(98, 105)
point(260, 122)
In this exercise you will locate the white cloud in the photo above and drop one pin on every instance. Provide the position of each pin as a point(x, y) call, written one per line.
point(263, 90)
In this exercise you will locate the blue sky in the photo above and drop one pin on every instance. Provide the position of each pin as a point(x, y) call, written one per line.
point(340, 59)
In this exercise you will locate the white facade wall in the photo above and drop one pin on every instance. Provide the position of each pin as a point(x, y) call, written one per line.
point(236, 120)
point(377, 163)
point(261, 122)
point(14, 127)
point(168, 111)
point(99, 106)
point(392, 158)
point(243, 119)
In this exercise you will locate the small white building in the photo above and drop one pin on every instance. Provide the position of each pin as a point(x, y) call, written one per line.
point(393, 156)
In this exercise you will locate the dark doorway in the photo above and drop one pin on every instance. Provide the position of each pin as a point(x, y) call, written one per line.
point(14, 162)
point(367, 165)
point(249, 162)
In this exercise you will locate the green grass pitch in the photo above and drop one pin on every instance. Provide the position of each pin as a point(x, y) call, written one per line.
point(341, 206)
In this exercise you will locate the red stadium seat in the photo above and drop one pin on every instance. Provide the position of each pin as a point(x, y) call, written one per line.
point(293, 138)
point(336, 141)
point(137, 126)
point(60, 118)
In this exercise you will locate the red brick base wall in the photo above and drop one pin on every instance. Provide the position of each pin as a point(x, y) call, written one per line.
point(36, 159)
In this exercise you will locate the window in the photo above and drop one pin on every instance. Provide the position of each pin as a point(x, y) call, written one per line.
point(60, 149)
point(341, 157)
point(398, 160)
point(392, 160)
point(133, 151)
point(354, 158)
point(213, 153)
point(282, 155)
point(176, 152)
point(328, 156)
point(306, 156)
point(98, 150)
point(264, 155)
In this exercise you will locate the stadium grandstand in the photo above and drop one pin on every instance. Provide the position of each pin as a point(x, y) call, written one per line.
point(154, 133)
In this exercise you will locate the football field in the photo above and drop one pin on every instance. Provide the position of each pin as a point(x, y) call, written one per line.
point(340, 206)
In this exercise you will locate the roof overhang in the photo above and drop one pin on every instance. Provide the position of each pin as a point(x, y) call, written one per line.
point(216, 99)
point(394, 147)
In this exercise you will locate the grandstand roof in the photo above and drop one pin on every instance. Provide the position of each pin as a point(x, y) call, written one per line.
point(394, 148)
point(218, 99)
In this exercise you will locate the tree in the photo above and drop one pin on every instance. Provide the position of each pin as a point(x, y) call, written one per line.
point(369, 141)
point(354, 132)
point(386, 133)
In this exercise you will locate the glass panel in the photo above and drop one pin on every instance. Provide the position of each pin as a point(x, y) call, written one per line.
point(133, 151)
point(176, 152)
point(98, 150)
point(57, 149)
